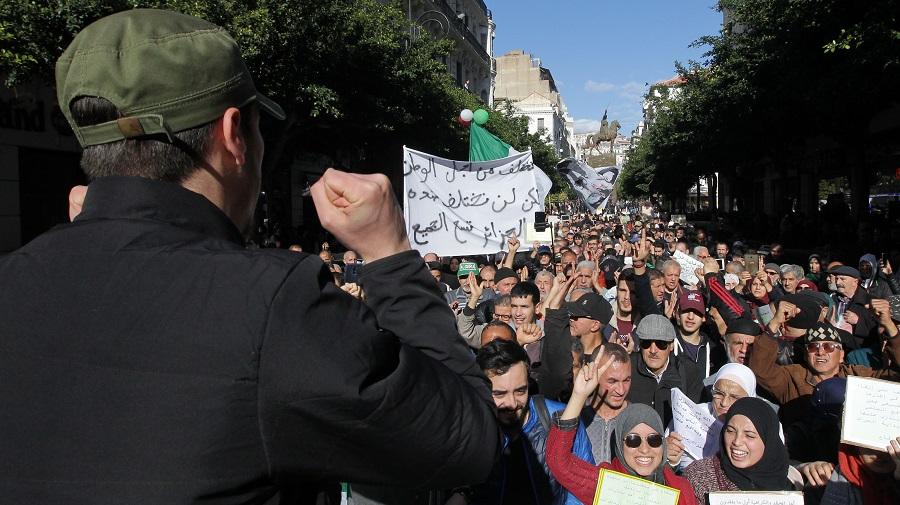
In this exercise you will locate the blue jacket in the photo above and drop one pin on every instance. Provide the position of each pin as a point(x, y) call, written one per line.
point(543, 486)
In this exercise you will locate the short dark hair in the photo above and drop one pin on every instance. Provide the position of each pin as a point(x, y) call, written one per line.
point(500, 324)
point(614, 351)
point(500, 355)
point(526, 288)
point(654, 274)
point(149, 157)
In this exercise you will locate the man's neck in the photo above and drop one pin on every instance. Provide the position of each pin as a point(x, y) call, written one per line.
point(591, 341)
point(691, 338)
point(658, 373)
point(622, 316)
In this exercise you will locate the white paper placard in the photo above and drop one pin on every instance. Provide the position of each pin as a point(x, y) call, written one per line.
point(871, 413)
point(692, 422)
point(756, 498)
point(455, 208)
point(532, 235)
point(688, 266)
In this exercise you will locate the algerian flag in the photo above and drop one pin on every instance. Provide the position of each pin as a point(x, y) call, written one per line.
point(485, 146)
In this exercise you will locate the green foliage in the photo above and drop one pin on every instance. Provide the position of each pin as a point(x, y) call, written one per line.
point(779, 74)
point(353, 85)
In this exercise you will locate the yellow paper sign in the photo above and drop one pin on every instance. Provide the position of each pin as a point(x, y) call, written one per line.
point(615, 488)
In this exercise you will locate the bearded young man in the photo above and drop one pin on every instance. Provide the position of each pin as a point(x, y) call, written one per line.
point(521, 475)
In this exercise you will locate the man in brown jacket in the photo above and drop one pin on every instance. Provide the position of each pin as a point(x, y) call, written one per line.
point(792, 385)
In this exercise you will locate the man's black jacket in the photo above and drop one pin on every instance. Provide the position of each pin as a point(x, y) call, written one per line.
point(147, 357)
point(645, 389)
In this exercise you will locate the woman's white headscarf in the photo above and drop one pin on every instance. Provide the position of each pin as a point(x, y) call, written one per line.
point(739, 374)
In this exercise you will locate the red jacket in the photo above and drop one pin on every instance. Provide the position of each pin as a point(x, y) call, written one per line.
point(580, 477)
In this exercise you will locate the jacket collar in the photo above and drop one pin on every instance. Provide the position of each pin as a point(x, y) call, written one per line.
point(118, 197)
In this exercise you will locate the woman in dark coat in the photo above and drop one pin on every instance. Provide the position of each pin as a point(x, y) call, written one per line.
point(752, 456)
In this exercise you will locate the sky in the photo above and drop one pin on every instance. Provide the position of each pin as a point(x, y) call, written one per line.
point(603, 53)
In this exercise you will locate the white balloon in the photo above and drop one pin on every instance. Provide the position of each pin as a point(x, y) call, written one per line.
point(466, 115)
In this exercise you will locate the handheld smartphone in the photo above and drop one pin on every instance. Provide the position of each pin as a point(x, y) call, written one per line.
point(721, 262)
point(751, 263)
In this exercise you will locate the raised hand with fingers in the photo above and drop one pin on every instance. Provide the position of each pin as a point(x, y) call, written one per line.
point(558, 291)
point(476, 290)
point(882, 310)
point(816, 473)
point(528, 333)
point(670, 303)
point(585, 383)
point(710, 266)
point(360, 210)
point(675, 448)
point(513, 243)
point(352, 289)
point(893, 451)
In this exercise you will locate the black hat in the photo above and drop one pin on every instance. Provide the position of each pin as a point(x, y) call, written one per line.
point(593, 306)
point(504, 273)
point(809, 311)
point(823, 332)
point(743, 326)
point(845, 270)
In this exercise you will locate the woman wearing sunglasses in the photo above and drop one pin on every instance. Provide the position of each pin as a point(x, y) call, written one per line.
point(640, 446)
point(752, 456)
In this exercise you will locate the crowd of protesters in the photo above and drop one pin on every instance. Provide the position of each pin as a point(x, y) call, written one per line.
point(584, 339)
point(151, 357)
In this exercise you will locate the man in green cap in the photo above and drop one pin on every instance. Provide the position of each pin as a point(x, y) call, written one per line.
point(148, 357)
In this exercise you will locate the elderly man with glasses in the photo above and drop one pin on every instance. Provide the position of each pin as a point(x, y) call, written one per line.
point(792, 385)
point(656, 370)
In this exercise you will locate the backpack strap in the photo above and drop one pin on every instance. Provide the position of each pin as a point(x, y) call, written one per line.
point(543, 413)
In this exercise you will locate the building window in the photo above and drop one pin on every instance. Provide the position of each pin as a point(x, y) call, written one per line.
point(540, 123)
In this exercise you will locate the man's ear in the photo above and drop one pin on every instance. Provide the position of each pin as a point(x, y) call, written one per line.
point(76, 200)
point(233, 136)
point(596, 326)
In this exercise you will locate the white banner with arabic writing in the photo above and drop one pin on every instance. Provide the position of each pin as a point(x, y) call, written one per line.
point(454, 208)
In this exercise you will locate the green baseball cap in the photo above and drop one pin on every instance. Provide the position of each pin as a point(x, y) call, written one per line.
point(166, 72)
point(467, 267)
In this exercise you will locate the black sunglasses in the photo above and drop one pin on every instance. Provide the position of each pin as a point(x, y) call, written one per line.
point(662, 345)
point(633, 440)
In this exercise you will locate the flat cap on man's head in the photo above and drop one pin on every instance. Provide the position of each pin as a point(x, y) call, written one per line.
point(845, 271)
point(164, 71)
point(655, 327)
